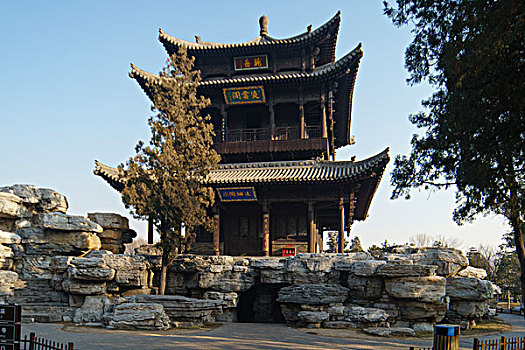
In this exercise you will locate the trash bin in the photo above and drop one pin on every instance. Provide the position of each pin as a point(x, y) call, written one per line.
point(446, 337)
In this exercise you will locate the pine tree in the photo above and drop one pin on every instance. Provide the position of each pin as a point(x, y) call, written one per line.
point(165, 177)
point(473, 126)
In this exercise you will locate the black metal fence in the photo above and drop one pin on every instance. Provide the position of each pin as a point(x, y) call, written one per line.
point(36, 343)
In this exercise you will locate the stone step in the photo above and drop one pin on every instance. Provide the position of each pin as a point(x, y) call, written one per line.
point(47, 313)
point(38, 291)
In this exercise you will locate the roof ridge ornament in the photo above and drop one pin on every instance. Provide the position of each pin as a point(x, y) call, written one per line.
point(263, 24)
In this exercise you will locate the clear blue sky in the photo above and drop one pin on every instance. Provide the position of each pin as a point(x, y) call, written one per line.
point(66, 98)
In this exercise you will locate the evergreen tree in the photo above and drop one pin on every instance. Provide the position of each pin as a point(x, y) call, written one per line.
point(355, 246)
point(165, 177)
point(471, 52)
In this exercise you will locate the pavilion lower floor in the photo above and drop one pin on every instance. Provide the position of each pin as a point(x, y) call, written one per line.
point(277, 226)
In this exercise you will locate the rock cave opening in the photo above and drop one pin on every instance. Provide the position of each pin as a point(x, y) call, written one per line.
point(259, 305)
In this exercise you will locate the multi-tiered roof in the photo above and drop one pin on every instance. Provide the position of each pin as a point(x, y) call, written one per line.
point(301, 68)
point(280, 108)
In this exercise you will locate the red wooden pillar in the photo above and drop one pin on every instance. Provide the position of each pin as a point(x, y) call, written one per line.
point(266, 234)
point(323, 116)
point(266, 229)
point(272, 120)
point(216, 219)
point(341, 226)
point(303, 126)
point(311, 228)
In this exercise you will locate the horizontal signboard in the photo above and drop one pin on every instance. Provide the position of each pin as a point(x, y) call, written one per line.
point(10, 346)
point(243, 95)
point(251, 62)
point(10, 313)
point(237, 194)
point(9, 332)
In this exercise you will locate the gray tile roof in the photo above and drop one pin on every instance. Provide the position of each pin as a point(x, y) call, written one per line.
point(346, 65)
point(297, 171)
point(306, 171)
point(263, 41)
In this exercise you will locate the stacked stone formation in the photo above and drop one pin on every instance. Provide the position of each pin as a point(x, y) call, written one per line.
point(116, 231)
point(407, 290)
point(51, 263)
point(35, 227)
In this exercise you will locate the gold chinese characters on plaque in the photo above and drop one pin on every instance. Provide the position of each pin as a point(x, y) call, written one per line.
point(250, 62)
point(244, 95)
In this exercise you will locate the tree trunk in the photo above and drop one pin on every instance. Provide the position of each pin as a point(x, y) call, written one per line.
point(520, 250)
point(163, 273)
point(514, 216)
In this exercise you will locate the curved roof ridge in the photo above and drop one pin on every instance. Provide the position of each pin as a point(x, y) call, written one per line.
point(342, 61)
point(336, 67)
point(328, 68)
point(259, 40)
point(299, 171)
point(145, 75)
point(375, 158)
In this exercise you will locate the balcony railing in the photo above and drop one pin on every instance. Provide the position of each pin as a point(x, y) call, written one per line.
point(260, 134)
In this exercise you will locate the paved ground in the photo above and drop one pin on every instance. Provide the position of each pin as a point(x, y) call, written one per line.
point(236, 336)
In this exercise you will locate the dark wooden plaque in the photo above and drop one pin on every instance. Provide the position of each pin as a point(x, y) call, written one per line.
point(10, 313)
point(9, 332)
point(251, 62)
point(237, 194)
point(244, 95)
point(9, 346)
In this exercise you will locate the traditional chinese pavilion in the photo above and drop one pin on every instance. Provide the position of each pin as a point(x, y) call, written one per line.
point(280, 109)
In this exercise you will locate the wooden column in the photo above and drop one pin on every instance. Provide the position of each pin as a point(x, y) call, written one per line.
point(331, 120)
point(323, 116)
point(341, 226)
point(216, 231)
point(223, 123)
point(150, 231)
point(272, 120)
point(301, 121)
point(311, 228)
point(266, 230)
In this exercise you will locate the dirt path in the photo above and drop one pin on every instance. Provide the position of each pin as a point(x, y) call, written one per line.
point(237, 336)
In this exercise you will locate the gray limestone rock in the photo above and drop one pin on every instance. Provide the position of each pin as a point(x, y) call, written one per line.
point(7, 238)
point(10, 206)
point(130, 270)
point(406, 270)
point(472, 289)
point(313, 294)
point(64, 222)
point(360, 314)
point(84, 288)
point(187, 311)
point(387, 332)
point(226, 281)
point(472, 272)
point(365, 268)
point(91, 273)
point(92, 309)
point(364, 287)
point(229, 300)
point(466, 310)
point(313, 316)
point(60, 264)
point(139, 316)
point(428, 289)
point(423, 327)
point(109, 220)
point(448, 260)
point(8, 280)
point(429, 312)
point(44, 199)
